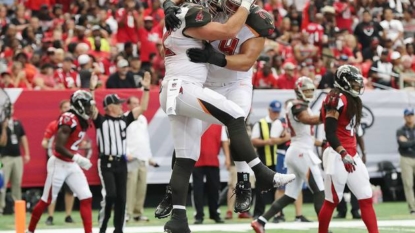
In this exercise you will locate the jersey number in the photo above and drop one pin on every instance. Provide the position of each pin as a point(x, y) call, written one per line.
point(352, 126)
point(228, 47)
point(167, 52)
point(75, 145)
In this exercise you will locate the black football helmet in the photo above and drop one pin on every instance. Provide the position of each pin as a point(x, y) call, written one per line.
point(81, 103)
point(215, 6)
point(349, 79)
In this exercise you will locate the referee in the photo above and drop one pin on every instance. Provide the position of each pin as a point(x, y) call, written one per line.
point(112, 164)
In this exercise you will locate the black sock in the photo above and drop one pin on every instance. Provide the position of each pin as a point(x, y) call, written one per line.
point(277, 206)
point(180, 180)
point(240, 141)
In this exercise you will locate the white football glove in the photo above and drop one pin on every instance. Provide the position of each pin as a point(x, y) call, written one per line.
point(82, 161)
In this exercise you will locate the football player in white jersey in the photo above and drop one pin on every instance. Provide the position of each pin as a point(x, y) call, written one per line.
point(300, 157)
point(186, 103)
point(230, 73)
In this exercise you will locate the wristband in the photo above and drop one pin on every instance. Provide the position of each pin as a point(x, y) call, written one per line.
point(146, 89)
point(246, 5)
point(343, 153)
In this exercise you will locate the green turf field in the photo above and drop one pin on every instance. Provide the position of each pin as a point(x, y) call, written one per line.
point(385, 211)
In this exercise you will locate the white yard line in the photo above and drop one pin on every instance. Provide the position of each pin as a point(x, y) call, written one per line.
point(392, 225)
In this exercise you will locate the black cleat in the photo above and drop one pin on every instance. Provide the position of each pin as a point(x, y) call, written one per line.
point(49, 221)
point(178, 222)
point(69, 219)
point(165, 207)
point(243, 197)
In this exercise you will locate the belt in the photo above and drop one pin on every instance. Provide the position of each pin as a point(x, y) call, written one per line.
point(111, 158)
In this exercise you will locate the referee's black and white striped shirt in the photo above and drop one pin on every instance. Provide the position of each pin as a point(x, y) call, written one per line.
point(111, 134)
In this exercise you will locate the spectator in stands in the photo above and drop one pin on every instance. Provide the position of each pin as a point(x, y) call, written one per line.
point(287, 79)
point(408, 23)
point(45, 80)
point(264, 78)
point(368, 29)
point(208, 167)
point(123, 78)
point(344, 16)
point(129, 20)
point(351, 42)
point(66, 77)
point(408, 73)
point(139, 156)
point(6, 80)
point(96, 34)
point(406, 141)
point(129, 51)
point(136, 70)
point(19, 19)
point(304, 52)
point(381, 71)
point(393, 27)
point(371, 53)
point(12, 137)
point(148, 37)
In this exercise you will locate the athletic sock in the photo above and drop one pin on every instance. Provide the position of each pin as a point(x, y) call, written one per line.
point(369, 215)
point(180, 181)
point(37, 212)
point(277, 206)
point(324, 217)
point(318, 198)
point(85, 209)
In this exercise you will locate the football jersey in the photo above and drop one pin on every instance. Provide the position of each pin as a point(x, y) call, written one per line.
point(302, 135)
point(175, 45)
point(49, 134)
point(258, 24)
point(346, 127)
point(76, 136)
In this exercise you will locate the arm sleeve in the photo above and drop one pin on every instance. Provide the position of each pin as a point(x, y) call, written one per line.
point(331, 128)
point(98, 121)
point(22, 132)
point(276, 129)
point(129, 118)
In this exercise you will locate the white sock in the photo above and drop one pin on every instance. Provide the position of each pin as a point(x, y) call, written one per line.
point(180, 207)
point(254, 162)
point(262, 219)
point(242, 167)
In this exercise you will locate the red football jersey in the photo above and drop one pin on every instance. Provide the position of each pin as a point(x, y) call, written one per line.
point(49, 134)
point(69, 79)
point(77, 134)
point(315, 32)
point(346, 127)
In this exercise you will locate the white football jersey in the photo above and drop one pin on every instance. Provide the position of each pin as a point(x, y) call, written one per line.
point(302, 135)
point(175, 45)
point(229, 47)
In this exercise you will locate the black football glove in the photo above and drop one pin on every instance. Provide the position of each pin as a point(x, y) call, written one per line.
point(207, 55)
point(171, 21)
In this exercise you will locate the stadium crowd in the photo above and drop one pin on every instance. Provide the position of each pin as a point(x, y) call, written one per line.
point(58, 44)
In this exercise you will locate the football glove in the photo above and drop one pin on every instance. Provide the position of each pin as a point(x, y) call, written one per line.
point(348, 161)
point(82, 161)
point(207, 55)
point(171, 21)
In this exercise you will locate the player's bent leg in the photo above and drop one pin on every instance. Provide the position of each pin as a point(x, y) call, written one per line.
point(359, 185)
point(78, 183)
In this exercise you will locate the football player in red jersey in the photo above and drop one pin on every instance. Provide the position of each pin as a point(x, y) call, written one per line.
point(342, 113)
point(65, 164)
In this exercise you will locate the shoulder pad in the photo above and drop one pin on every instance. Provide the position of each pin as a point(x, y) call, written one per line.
point(298, 107)
point(260, 21)
point(197, 16)
point(332, 100)
point(68, 119)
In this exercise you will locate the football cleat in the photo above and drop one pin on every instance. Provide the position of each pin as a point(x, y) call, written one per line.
point(258, 227)
point(282, 179)
point(178, 222)
point(243, 197)
point(165, 207)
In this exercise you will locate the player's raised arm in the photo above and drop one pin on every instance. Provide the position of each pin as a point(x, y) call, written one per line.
point(145, 98)
point(214, 30)
point(92, 86)
point(170, 7)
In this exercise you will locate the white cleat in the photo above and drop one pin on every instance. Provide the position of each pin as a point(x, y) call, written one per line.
point(282, 179)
